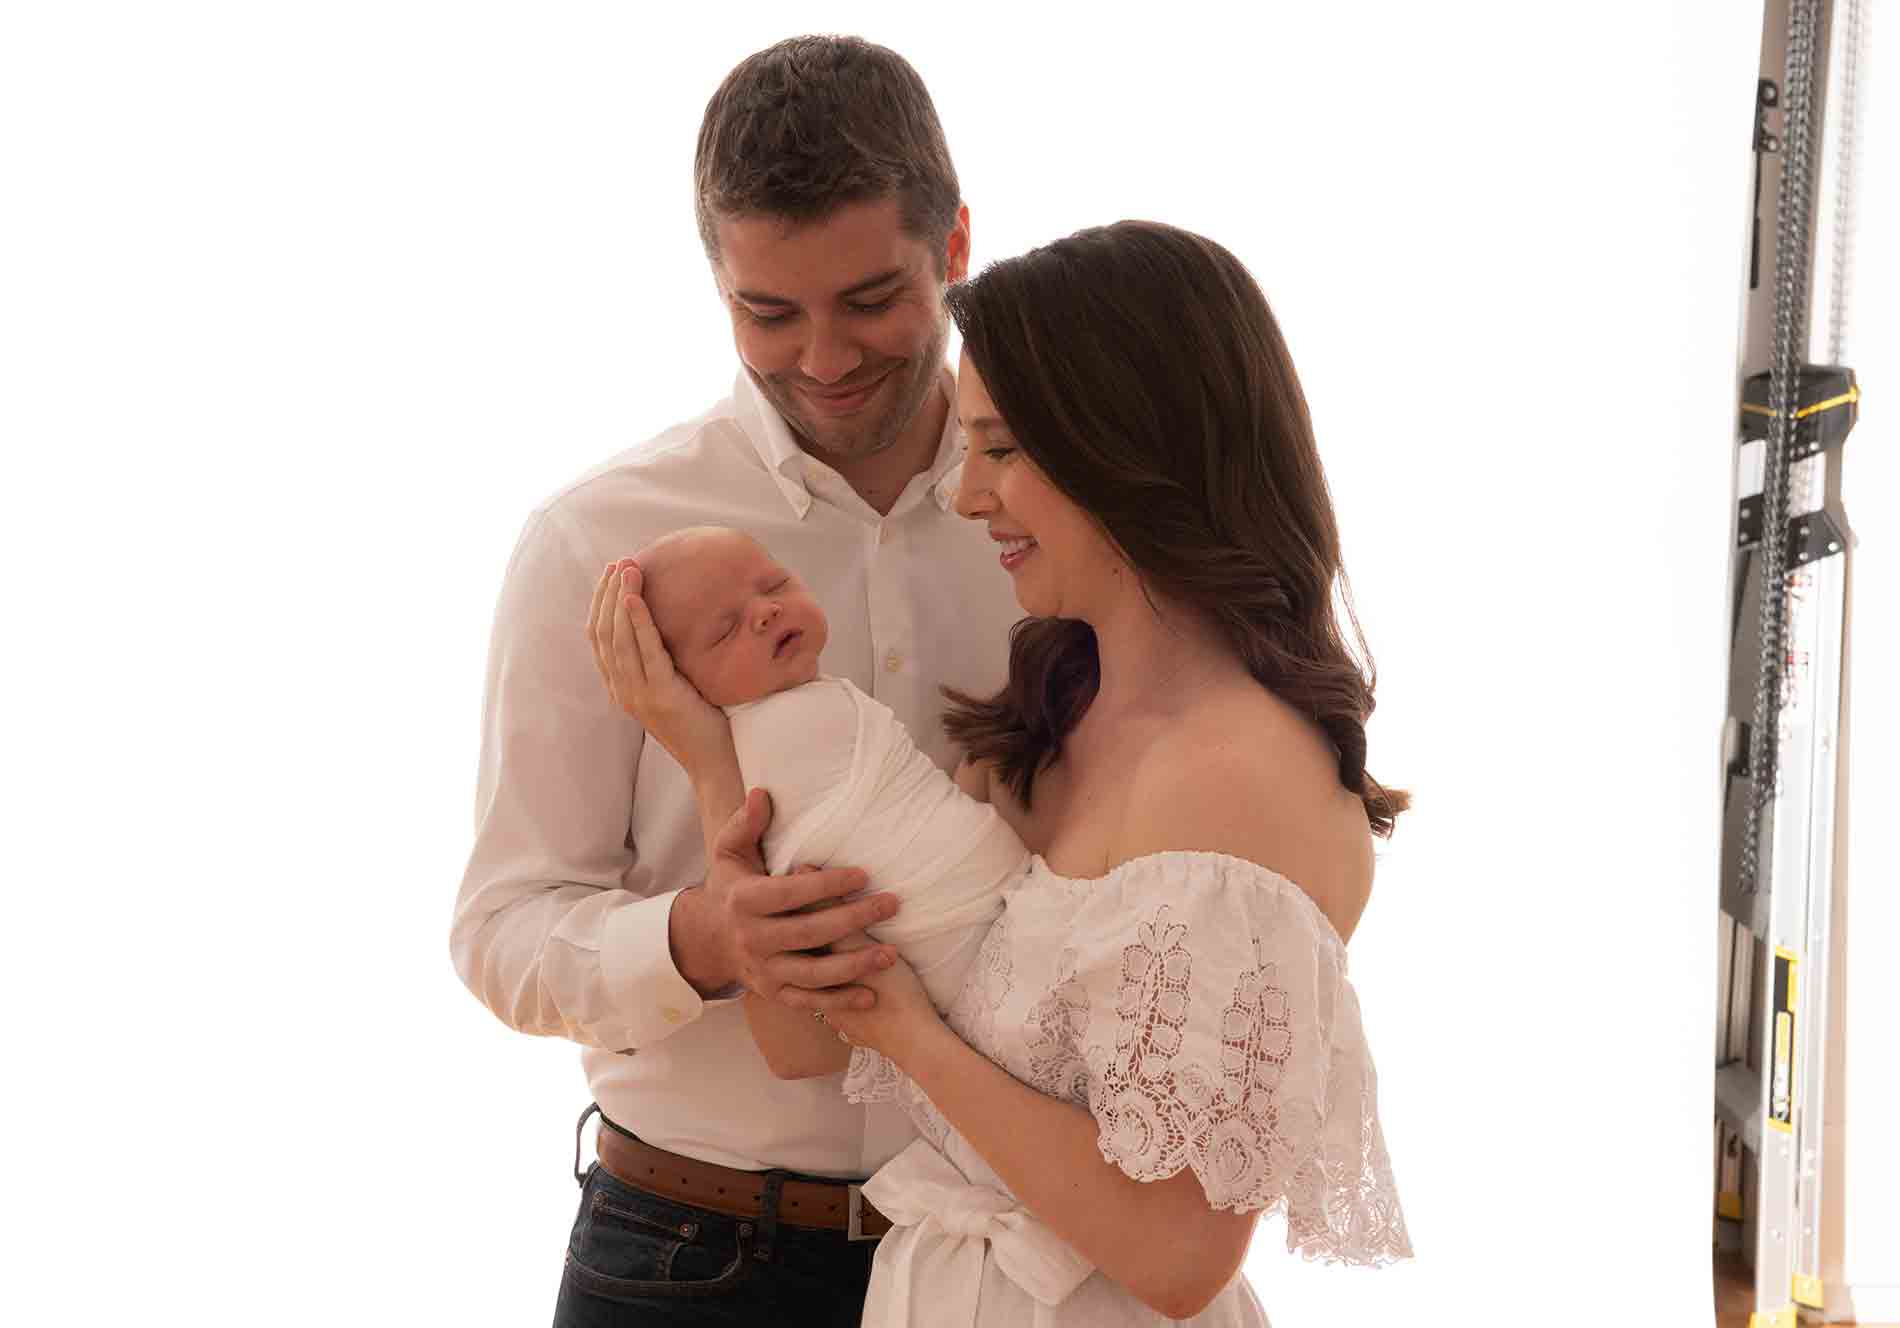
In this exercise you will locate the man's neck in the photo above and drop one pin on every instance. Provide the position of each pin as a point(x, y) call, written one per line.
point(879, 479)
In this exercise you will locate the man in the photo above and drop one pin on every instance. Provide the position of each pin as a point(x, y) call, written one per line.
point(830, 212)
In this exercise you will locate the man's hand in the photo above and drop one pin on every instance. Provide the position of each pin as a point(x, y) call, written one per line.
point(770, 932)
point(639, 673)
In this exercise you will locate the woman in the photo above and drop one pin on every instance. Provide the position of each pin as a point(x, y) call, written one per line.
point(1159, 1041)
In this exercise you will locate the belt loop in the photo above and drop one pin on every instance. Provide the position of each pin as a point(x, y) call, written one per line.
point(768, 1216)
point(580, 1177)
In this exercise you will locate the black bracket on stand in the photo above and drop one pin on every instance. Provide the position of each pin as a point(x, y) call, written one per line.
point(1767, 98)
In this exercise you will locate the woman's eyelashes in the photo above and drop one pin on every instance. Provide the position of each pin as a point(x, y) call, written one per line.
point(997, 453)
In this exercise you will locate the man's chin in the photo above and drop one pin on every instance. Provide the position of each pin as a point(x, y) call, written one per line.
point(845, 444)
point(875, 430)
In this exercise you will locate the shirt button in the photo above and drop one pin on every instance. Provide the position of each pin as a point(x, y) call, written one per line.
point(893, 662)
point(671, 1014)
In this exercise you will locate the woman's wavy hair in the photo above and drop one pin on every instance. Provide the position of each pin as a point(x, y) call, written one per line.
point(1140, 368)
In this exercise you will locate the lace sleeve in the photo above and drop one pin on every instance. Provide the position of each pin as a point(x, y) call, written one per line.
point(1231, 1046)
point(870, 1077)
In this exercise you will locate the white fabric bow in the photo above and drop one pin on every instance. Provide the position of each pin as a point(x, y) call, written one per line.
point(936, 1273)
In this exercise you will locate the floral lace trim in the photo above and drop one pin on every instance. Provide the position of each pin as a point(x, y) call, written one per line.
point(1250, 1147)
point(1057, 1025)
point(870, 1077)
point(972, 1015)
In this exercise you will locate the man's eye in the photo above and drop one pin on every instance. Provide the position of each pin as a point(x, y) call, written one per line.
point(876, 308)
point(767, 319)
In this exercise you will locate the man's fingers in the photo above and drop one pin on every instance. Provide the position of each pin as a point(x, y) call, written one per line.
point(594, 623)
point(828, 999)
point(832, 970)
point(655, 662)
point(811, 931)
point(803, 890)
point(593, 609)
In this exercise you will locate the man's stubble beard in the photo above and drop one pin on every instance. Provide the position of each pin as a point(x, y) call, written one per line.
point(882, 434)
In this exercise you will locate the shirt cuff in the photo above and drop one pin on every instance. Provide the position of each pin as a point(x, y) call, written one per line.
point(636, 961)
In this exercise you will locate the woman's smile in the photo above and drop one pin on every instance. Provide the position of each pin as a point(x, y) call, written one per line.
point(1016, 548)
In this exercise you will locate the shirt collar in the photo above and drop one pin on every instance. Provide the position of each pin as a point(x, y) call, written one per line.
point(772, 440)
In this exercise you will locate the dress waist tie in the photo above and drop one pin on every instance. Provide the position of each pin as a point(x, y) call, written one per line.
point(937, 1272)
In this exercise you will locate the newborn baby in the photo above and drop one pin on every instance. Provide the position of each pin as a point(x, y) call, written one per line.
point(848, 786)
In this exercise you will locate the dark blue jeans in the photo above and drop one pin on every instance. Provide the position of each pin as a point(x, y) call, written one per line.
point(634, 1258)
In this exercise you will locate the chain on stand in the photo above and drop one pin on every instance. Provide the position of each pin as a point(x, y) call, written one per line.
point(1793, 205)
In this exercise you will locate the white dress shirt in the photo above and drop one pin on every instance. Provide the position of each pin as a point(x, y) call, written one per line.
point(584, 831)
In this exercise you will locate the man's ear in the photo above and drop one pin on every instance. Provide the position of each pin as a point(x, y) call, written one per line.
point(957, 248)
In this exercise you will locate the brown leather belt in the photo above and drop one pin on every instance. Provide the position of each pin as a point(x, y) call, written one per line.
point(832, 1205)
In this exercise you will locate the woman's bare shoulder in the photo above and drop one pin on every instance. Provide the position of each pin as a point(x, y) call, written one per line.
point(1252, 783)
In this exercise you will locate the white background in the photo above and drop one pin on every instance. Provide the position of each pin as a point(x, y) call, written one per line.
point(303, 307)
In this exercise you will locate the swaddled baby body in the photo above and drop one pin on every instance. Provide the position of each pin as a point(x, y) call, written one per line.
point(848, 785)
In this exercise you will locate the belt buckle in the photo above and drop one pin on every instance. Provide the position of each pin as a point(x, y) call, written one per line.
point(854, 1213)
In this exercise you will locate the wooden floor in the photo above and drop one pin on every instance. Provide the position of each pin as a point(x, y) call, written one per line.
point(1735, 1293)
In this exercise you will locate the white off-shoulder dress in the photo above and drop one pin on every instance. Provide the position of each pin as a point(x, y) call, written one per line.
point(1198, 1006)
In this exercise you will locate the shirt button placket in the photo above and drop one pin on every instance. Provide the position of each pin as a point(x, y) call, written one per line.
point(889, 611)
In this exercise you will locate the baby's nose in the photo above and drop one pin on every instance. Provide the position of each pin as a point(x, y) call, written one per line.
point(767, 612)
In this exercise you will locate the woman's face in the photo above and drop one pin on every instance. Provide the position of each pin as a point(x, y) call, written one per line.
point(1058, 558)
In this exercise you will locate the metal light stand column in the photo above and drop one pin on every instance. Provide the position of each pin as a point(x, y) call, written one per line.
point(1775, 927)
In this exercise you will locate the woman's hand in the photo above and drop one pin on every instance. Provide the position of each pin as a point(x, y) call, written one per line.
point(639, 673)
point(902, 1015)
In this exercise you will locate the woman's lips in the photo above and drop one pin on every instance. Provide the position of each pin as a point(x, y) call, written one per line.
point(1016, 551)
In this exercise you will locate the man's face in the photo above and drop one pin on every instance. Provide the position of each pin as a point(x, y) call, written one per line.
point(737, 623)
point(840, 321)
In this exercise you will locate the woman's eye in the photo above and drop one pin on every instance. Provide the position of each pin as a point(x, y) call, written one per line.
point(997, 453)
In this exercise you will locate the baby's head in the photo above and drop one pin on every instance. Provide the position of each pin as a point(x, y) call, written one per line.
point(737, 624)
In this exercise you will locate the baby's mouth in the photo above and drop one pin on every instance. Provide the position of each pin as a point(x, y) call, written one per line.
point(786, 642)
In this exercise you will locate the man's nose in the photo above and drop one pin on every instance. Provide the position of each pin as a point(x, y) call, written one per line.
point(830, 354)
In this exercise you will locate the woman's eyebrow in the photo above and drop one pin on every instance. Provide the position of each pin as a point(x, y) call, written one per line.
point(982, 424)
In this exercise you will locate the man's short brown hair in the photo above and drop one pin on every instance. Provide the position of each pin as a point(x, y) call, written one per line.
point(813, 123)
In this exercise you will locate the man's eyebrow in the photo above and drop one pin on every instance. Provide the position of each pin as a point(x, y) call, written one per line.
point(869, 283)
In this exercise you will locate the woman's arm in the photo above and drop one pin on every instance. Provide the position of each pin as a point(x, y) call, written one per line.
point(795, 1045)
point(1160, 1239)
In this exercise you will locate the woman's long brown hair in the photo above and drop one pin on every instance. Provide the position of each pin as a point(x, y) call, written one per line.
point(1139, 367)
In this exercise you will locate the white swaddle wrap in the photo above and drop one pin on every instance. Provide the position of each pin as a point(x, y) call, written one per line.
point(849, 788)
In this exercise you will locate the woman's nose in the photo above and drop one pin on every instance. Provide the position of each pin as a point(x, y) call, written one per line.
point(973, 501)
